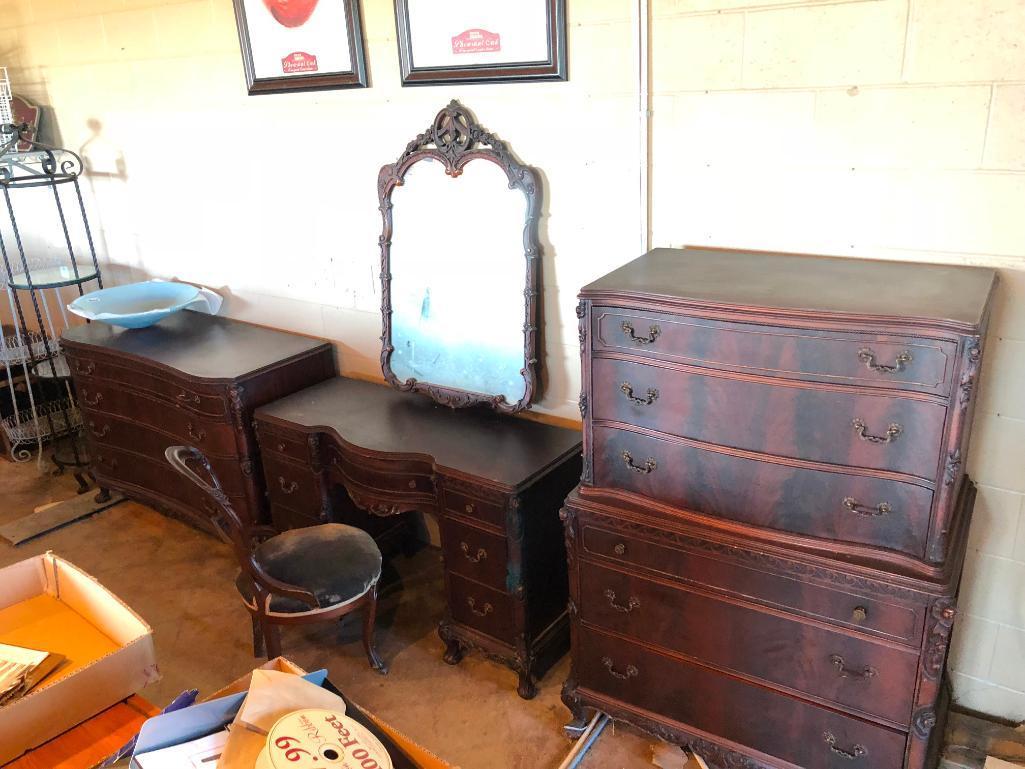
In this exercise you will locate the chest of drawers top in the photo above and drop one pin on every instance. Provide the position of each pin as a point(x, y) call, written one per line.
point(824, 397)
point(195, 345)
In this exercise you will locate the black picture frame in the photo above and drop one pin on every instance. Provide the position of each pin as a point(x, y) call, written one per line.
point(554, 68)
point(354, 78)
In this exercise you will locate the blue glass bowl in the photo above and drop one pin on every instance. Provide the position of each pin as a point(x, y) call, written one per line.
point(136, 305)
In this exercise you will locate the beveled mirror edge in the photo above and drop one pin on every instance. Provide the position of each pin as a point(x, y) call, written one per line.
point(458, 139)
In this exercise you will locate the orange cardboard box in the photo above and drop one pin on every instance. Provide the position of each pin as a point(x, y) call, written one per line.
point(46, 603)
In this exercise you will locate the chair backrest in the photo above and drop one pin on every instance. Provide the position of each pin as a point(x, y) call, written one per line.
point(232, 529)
point(225, 520)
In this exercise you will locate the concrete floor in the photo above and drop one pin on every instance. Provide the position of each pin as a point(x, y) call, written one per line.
point(180, 581)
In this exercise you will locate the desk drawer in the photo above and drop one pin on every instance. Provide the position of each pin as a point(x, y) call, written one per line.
point(93, 373)
point(481, 608)
point(101, 401)
point(474, 553)
point(292, 486)
point(764, 719)
point(874, 359)
point(381, 474)
point(739, 575)
point(841, 427)
point(820, 503)
point(294, 446)
point(869, 676)
point(488, 511)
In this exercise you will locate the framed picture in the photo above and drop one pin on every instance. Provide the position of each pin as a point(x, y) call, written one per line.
point(301, 45)
point(481, 41)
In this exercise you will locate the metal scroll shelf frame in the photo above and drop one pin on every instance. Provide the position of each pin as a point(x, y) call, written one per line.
point(42, 406)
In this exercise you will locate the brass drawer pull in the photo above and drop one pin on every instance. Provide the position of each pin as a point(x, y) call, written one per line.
point(93, 401)
point(619, 549)
point(653, 333)
point(483, 612)
point(631, 671)
point(482, 554)
point(859, 615)
point(85, 369)
point(631, 604)
point(186, 397)
point(649, 464)
point(289, 487)
point(891, 432)
point(98, 432)
point(628, 390)
point(855, 752)
point(198, 437)
point(867, 356)
point(844, 672)
point(111, 463)
point(470, 508)
point(281, 447)
point(883, 508)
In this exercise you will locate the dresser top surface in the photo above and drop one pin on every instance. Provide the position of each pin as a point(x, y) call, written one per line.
point(826, 284)
point(196, 344)
point(474, 441)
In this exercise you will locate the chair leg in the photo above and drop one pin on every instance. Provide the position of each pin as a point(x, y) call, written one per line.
point(369, 616)
point(257, 636)
point(272, 638)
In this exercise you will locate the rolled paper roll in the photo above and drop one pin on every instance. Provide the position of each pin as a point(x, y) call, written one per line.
point(321, 739)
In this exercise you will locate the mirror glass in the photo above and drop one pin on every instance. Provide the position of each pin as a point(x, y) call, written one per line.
point(457, 290)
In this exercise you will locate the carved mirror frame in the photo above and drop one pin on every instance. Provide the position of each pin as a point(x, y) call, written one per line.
point(455, 139)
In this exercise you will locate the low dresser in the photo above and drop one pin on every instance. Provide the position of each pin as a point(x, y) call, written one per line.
point(766, 546)
point(192, 378)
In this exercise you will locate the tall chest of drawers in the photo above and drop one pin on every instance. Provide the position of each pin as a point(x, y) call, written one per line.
point(192, 379)
point(766, 545)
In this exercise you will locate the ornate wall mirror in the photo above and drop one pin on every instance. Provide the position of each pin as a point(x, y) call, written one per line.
point(459, 267)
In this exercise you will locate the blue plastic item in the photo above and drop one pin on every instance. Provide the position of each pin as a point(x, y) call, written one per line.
point(138, 305)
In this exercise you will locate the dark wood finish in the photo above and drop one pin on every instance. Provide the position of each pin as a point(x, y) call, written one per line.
point(455, 139)
point(767, 542)
point(356, 78)
point(194, 468)
point(494, 483)
point(554, 68)
point(192, 379)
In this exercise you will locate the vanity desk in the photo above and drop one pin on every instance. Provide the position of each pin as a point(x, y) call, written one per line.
point(495, 484)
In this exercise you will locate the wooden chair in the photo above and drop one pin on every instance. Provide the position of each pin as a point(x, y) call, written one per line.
point(303, 575)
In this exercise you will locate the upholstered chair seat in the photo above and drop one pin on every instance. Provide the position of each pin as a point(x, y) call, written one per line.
point(336, 563)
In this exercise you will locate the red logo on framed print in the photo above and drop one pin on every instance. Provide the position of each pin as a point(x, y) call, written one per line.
point(476, 41)
point(299, 62)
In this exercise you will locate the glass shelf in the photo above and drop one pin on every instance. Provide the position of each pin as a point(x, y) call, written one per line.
point(54, 277)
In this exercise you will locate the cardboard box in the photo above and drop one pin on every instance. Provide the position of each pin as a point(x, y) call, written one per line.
point(47, 603)
point(219, 709)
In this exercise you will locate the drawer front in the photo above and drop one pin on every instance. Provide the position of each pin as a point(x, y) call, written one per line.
point(101, 401)
point(293, 446)
point(853, 609)
point(105, 430)
point(379, 474)
point(766, 720)
point(161, 479)
point(291, 486)
point(842, 428)
point(474, 553)
point(284, 518)
point(872, 677)
point(473, 507)
point(878, 360)
point(819, 503)
point(91, 373)
point(481, 608)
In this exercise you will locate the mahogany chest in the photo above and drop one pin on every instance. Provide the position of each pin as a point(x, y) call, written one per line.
point(767, 542)
point(190, 379)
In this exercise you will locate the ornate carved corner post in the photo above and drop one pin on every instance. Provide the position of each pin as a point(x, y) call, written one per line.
point(584, 333)
point(939, 625)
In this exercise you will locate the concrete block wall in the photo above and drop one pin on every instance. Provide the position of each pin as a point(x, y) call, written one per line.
point(877, 128)
point(891, 129)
